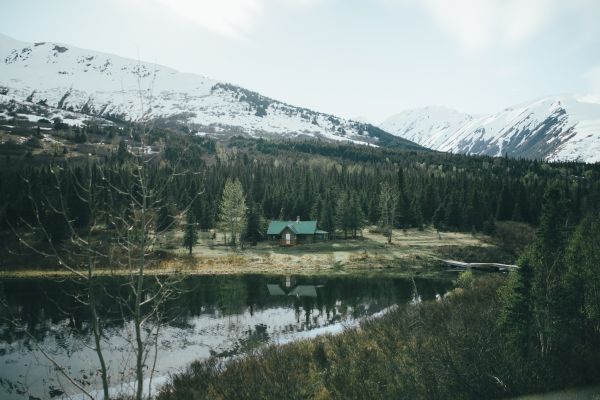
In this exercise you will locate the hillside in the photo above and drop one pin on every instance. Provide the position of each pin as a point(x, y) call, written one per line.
point(63, 77)
point(557, 128)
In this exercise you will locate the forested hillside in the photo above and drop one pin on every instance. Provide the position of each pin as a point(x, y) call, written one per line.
point(491, 337)
point(337, 184)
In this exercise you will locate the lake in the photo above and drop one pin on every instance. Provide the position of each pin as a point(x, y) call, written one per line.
point(223, 316)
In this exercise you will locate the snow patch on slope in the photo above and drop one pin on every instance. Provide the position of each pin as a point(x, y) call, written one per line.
point(556, 128)
point(429, 126)
point(92, 83)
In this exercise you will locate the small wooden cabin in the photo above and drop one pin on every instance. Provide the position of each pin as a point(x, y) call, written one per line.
point(290, 233)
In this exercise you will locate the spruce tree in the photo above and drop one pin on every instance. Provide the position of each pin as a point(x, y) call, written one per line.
point(439, 217)
point(417, 214)
point(453, 218)
point(253, 232)
point(428, 203)
point(549, 268)
point(356, 215)
point(489, 226)
point(122, 152)
point(516, 316)
point(388, 201)
point(505, 204)
point(343, 214)
point(582, 280)
point(190, 235)
point(327, 218)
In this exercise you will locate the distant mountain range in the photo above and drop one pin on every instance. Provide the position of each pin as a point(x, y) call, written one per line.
point(56, 80)
point(49, 80)
point(565, 128)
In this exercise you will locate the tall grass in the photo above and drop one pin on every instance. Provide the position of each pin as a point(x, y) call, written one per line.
point(449, 349)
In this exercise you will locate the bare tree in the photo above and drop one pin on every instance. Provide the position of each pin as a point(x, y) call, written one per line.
point(232, 210)
point(118, 203)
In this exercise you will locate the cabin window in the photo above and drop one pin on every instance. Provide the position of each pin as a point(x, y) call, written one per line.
point(288, 238)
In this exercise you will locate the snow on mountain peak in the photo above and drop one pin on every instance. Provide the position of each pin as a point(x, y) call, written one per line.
point(564, 127)
point(89, 82)
point(426, 126)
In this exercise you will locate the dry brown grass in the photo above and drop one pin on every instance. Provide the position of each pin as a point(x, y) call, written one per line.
point(408, 251)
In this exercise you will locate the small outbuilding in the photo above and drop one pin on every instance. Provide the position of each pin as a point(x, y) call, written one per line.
point(290, 233)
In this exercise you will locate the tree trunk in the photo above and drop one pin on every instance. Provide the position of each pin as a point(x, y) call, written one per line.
point(139, 365)
point(97, 338)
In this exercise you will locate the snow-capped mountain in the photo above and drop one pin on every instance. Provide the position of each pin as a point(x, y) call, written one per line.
point(428, 126)
point(552, 128)
point(64, 77)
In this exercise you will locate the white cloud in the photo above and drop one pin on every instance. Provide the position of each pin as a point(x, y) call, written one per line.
point(478, 24)
point(592, 76)
point(524, 18)
point(232, 18)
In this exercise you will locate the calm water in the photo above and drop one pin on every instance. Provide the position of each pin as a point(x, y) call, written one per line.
point(213, 315)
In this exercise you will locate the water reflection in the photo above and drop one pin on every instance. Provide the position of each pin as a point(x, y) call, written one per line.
point(290, 288)
point(213, 315)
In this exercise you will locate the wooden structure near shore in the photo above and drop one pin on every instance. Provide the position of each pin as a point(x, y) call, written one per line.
point(487, 267)
point(290, 233)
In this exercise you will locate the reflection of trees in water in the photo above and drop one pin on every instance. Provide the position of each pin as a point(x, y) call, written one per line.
point(43, 304)
point(231, 297)
point(55, 317)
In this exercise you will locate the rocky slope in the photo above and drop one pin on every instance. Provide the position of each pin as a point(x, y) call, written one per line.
point(565, 128)
point(65, 78)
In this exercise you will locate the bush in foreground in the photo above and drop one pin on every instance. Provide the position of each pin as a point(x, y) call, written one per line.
point(450, 349)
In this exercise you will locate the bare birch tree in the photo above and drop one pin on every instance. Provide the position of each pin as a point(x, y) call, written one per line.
point(121, 200)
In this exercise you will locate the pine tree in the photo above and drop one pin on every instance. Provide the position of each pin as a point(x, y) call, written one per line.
point(453, 218)
point(505, 204)
point(516, 317)
point(253, 232)
point(190, 235)
point(474, 215)
point(582, 279)
point(388, 199)
point(521, 210)
point(205, 218)
point(343, 214)
point(327, 219)
point(547, 258)
point(356, 215)
point(489, 226)
point(122, 152)
point(439, 217)
point(428, 203)
point(402, 212)
point(417, 214)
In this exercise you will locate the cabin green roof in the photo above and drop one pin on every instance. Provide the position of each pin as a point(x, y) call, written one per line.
point(304, 291)
point(298, 227)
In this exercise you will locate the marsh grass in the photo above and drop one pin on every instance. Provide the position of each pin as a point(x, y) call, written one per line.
point(447, 349)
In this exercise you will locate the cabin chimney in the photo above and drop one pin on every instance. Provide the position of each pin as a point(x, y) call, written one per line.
point(297, 219)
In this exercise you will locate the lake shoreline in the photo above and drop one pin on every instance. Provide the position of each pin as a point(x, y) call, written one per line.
point(219, 317)
point(412, 253)
point(396, 272)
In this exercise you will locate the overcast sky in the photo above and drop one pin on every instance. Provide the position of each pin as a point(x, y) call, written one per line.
point(347, 57)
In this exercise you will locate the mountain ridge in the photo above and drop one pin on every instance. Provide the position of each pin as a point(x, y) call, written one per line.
point(103, 85)
point(553, 128)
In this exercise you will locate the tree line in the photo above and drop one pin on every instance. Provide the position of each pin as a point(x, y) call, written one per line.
point(341, 186)
point(535, 331)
